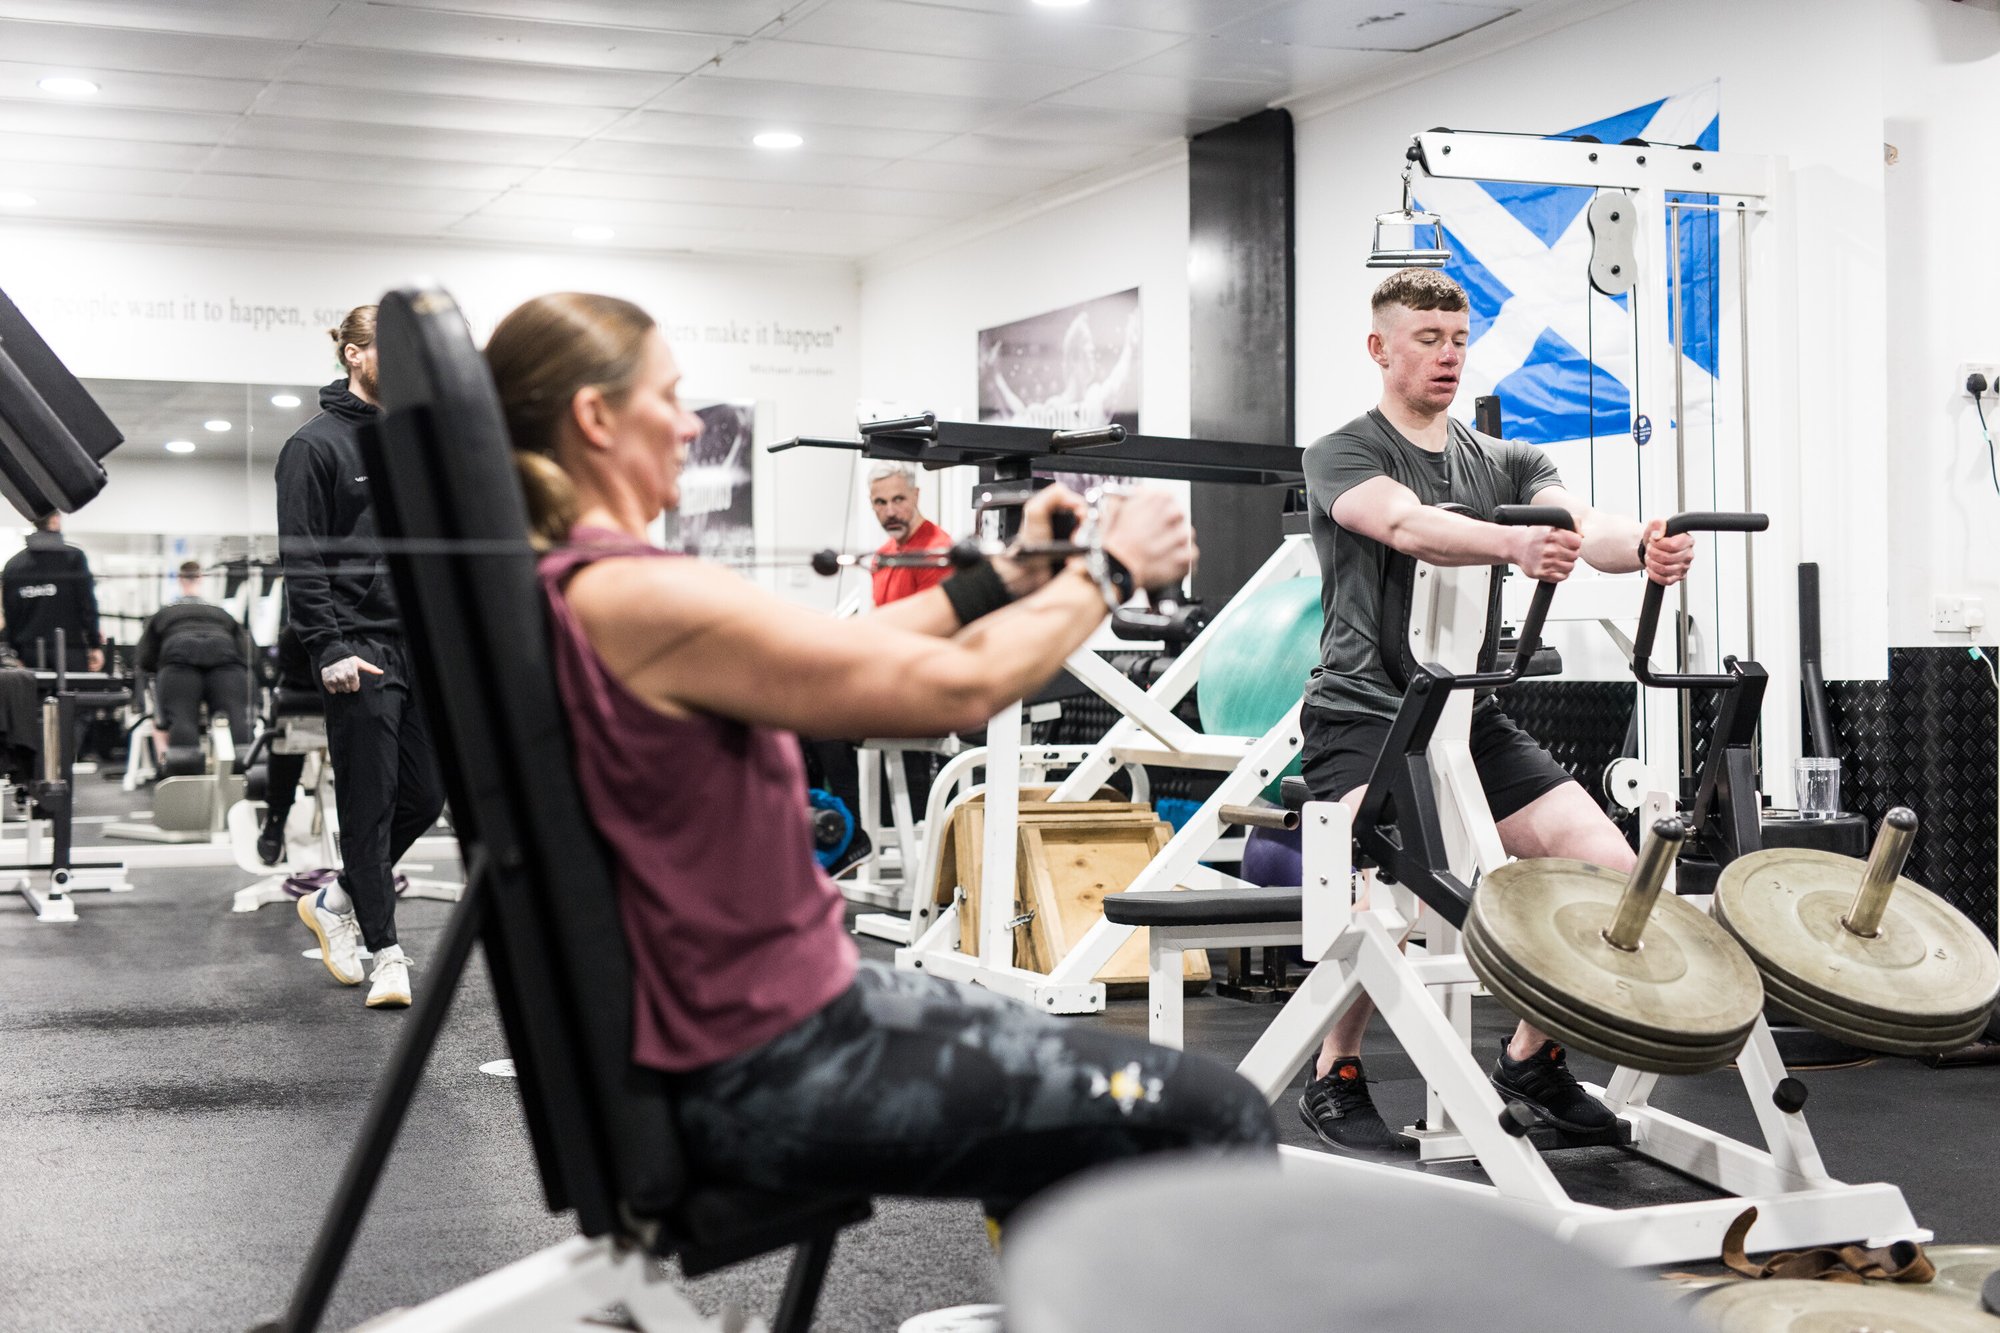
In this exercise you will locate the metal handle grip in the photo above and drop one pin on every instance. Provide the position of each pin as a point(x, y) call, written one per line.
point(1656, 596)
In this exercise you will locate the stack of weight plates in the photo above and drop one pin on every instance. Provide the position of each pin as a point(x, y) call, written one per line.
point(1925, 983)
point(1784, 1306)
point(1683, 1002)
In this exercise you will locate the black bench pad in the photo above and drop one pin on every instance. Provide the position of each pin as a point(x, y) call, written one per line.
point(1204, 907)
point(1292, 791)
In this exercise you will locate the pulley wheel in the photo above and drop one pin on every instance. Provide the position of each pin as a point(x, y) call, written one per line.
point(1783, 1305)
point(1688, 984)
point(1927, 966)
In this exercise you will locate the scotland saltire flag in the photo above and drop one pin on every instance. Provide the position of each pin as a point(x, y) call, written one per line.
point(1559, 354)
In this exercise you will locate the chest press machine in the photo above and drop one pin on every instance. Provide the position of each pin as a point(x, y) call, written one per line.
point(1605, 962)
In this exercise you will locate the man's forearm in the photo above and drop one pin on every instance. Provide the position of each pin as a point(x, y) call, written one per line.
point(1611, 542)
point(1439, 537)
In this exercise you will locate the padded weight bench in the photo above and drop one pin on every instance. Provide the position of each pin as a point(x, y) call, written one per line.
point(1177, 920)
point(539, 897)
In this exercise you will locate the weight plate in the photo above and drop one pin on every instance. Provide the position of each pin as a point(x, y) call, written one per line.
point(1927, 965)
point(1962, 1270)
point(1871, 1033)
point(1786, 1306)
point(1619, 1046)
point(1688, 983)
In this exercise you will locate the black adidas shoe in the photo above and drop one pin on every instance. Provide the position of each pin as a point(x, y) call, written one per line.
point(271, 843)
point(1339, 1110)
point(1543, 1084)
point(858, 849)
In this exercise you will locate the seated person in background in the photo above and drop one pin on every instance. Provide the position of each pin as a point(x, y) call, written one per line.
point(796, 1066)
point(892, 492)
point(197, 653)
point(1374, 486)
point(46, 587)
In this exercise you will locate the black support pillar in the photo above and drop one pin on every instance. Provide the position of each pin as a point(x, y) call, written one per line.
point(1240, 279)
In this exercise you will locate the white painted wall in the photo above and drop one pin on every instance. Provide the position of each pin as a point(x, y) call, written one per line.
point(1941, 94)
point(118, 305)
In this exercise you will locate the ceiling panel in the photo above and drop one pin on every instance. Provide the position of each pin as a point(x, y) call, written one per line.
point(679, 127)
point(726, 163)
point(986, 150)
point(1096, 125)
point(170, 92)
point(74, 48)
point(737, 18)
point(563, 212)
point(1211, 99)
point(896, 71)
point(999, 182)
point(1297, 67)
point(763, 194)
point(311, 219)
point(375, 195)
point(42, 178)
point(691, 240)
point(105, 122)
point(1022, 34)
point(1187, 17)
point(279, 20)
point(311, 101)
point(292, 165)
point(357, 70)
point(119, 153)
point(1364, 24)
point(810, 104)
point(307, 136)
point(151, 412)
point(436, 33)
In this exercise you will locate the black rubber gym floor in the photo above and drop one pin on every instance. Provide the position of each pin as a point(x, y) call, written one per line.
point(179, 1089)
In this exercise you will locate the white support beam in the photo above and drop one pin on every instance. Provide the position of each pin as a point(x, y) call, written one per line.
point(1459, 155)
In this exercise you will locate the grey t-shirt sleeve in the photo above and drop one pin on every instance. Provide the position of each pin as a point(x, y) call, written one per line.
point(1528, 471)
point(1336, 464)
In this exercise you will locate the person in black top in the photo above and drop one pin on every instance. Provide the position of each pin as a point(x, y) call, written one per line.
point(48, 587)
point(387, 789)
point(197, 652)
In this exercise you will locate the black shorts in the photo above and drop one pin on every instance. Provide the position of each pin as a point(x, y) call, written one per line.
point(1339, 751)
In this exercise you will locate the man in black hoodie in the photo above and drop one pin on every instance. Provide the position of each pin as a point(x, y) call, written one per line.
point(47, 587)
point(387, 789)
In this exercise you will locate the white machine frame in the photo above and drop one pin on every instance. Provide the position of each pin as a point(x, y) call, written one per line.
point(50, 893)
point(1147, 732)
point(1426, 999)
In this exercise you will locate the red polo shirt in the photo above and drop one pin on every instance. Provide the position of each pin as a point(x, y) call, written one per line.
point(895, 584)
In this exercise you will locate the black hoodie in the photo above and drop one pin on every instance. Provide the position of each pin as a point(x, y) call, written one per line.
point(338, 595)
point(45, 588)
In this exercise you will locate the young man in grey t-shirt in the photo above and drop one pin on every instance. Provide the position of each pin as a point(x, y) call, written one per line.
point(1374, 485)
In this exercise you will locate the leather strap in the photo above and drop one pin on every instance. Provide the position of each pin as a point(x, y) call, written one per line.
point(1903, 1261)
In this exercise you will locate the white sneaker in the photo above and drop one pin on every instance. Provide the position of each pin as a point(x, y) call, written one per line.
point(339, 936)
point(958, 1319)
point(391, 987)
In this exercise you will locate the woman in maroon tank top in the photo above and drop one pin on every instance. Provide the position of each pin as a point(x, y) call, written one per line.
point(686, 688)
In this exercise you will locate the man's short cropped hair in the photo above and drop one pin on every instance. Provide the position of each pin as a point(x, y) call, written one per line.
point(190, 569)
point(1419, 289)
point(884, 471)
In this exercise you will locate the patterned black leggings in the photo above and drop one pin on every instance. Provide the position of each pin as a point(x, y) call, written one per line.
point(912, 1085)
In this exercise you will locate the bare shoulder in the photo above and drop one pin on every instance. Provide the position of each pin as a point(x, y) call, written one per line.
point(622, 592)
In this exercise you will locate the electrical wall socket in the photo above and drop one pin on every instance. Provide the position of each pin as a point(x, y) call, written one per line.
point(1990, 370)
point(1957, 615)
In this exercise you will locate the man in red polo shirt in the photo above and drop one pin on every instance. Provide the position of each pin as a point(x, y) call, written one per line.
point(892, 490)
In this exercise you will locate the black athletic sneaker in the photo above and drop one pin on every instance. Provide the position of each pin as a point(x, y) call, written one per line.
point(859, 849)
point(271, 843)
point(1339, 1110)
point(1543, 1083)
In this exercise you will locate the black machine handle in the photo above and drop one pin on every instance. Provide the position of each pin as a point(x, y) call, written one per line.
point(1529, 638)
point(1656, 596)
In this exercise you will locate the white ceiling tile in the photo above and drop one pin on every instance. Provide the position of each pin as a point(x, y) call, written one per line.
point(762, 194)
point(169, 92)
point(564, 213)
point(986, 150)
point(1095, 125)
point(355, 69)
point(895, 71)
point(98, 205)
point(737, 18)
point(726, 163)
point(677, 127)
point(353, 217)
point(433, 32)
point(1002, 182)
point(294, 164)
point(104, 122)
point(1180, 16)
point(379, 196)
point(72, 48)
point(819, 245)
point(277, 132)
point(810, 104)
point(73, 177)
point(307, 101)
point(1215, 99)
point(1365, 25)
point(280, 20)
point(1025, 34)
point(1300, 68)
point(31, 148)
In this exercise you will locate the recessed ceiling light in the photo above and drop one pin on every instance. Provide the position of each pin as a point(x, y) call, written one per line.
point(63, 85)
point(218, 425)
point(777, 139)
point(284, 400)
point(15, 199)
point(593, 232)
point(180, 446)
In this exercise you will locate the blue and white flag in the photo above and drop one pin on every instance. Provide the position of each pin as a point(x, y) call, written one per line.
point(1558, 353)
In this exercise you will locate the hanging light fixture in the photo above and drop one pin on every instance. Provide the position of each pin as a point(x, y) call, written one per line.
point(1408, 238)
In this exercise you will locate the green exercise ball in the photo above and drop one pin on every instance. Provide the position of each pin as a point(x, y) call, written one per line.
point(1261, 651)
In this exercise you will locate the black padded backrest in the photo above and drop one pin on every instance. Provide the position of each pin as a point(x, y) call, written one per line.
point(450, 511)
point(52, 432)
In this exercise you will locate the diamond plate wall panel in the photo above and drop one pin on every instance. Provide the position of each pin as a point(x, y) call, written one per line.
point(1925, 738)
point(1583, 722)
